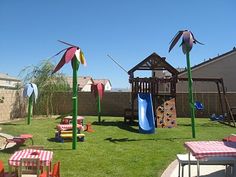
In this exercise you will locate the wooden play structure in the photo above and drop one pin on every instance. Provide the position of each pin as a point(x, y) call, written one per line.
point(161, 88)
point(166, 114)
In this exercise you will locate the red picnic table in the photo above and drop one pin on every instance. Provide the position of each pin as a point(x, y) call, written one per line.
point(206, 149)
point(45, 158)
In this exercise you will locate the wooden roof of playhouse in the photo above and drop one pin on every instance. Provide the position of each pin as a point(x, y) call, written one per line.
point(153, 62)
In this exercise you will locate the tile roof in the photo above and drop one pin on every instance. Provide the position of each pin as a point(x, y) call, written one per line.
point(4, 76)
point(81, 80)
point(103, 81)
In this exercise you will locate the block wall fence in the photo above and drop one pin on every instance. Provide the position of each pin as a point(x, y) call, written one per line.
point(13, 105)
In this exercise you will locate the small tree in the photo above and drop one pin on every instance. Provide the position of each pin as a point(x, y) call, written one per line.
point(47, 84)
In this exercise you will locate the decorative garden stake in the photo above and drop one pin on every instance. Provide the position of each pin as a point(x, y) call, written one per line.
point(98, 90)
point(76, 56)
point(30, 91)
point(187, 44)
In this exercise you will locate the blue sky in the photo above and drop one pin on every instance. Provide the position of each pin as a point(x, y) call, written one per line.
point(128, 30)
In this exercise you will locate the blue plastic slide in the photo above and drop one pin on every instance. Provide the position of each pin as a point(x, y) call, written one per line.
point(145, 113)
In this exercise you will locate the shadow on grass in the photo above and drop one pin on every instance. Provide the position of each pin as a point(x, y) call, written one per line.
point(227, 123)
point(122, 140)
point(119, 124)
point(210, 125)
point(184, 124)
point(12, 149)
point(58, 149)
point(11, 124)
point(215, 174)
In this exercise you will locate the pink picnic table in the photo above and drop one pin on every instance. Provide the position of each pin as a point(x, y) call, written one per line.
point(64, 127)
point(205, 149)
point(45, 158)
point(68, 119)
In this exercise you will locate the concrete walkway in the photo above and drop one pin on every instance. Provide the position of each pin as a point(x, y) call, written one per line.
point(205, 170)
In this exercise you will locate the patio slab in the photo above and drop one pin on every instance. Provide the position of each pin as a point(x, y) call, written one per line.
point(205, 170)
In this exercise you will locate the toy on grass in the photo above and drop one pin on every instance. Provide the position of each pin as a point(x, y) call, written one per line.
point(76, 56)
point(98, 90)
point(88, 127)
point(187, 43)
point(30, 91)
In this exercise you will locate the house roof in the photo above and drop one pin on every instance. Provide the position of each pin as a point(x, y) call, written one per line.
point(103, 81)
point(154, 62)
point(4, 76)
point(217, 58)
point(81, 80)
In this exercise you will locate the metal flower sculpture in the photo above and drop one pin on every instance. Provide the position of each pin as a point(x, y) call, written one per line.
point(72, 52)
point(188, 40)
point(76, 56)
point(98, 90)
point(30, 91)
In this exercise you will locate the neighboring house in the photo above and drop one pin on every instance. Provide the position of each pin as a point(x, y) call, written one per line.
point(105, 82)
point(222, 66)
point(8, 82)
point(84, 83)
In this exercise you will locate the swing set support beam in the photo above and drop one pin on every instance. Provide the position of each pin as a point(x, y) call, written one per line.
point(218, 81)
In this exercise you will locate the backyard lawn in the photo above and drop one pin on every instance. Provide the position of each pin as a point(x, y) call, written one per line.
point(115, 149)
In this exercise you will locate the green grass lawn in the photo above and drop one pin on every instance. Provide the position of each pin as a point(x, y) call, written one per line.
point(115, 149)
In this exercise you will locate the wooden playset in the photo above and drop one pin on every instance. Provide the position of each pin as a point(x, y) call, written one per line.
point(161, 88)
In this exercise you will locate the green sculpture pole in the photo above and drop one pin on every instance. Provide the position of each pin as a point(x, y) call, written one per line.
point(75, 102)
point(190, 92)
point(30, 109)
point(99, 108)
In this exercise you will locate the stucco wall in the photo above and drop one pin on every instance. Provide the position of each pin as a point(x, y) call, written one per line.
point(12, 105)
point(113, 104)
point(224, 67)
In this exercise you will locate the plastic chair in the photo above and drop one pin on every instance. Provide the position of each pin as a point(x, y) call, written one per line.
point(3, 173)
point(1, 169)
point(55, 171)
point(29, 166)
